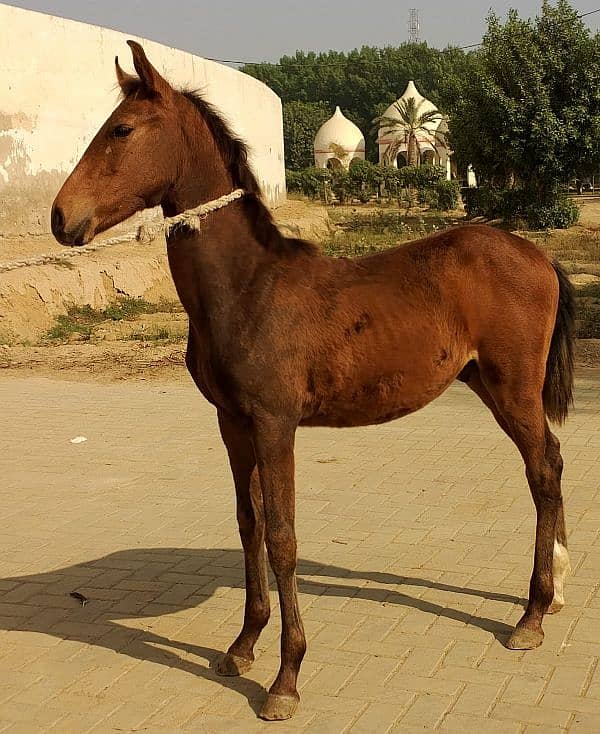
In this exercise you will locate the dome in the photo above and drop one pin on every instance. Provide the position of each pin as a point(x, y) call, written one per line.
point(423, 106)
point(339, 131)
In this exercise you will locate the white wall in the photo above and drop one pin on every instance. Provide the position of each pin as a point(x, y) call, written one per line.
point(58, 85)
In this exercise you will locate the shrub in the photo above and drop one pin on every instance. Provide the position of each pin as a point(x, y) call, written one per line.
point(561, 213)
point(312, 182)
point(521, 204)
point(421, 177)
point(364, 178)
point(485, 201)
point(293, 181)
point(341, 184)
point(447, 194)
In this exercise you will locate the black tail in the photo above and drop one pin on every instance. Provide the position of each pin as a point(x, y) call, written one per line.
point(558, 385)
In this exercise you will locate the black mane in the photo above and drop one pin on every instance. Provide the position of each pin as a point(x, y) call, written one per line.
point(235, 156)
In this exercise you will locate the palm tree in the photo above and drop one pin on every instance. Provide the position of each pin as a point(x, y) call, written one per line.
point(406, 128)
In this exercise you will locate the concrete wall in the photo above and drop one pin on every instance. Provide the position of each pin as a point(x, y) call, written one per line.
point(57, 86)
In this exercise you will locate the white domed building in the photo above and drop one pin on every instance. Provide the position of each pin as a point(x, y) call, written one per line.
point(338, 142)
point(431, 139)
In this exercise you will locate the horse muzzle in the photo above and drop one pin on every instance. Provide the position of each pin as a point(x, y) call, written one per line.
point(68, 233)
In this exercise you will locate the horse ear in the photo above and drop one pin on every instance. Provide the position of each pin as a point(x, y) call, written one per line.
point(150, 78)
point(127, 82)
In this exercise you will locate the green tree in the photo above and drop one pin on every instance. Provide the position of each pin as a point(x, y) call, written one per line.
point(526, 109)
point(406, 128)
point(301, 120)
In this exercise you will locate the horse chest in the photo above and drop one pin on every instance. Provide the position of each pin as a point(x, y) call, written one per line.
point(209, 372)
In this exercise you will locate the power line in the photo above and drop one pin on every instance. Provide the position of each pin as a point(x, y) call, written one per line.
point(340, 63)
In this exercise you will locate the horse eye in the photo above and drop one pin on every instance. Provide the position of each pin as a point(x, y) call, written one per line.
point(122, 131)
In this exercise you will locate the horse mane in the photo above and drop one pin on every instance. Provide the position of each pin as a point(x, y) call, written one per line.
point(234, 153)
point(235, 156)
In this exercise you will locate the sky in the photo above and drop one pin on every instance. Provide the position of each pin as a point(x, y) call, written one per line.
point(265, 30)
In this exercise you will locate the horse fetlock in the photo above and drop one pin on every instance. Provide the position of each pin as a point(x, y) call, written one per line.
point(561, 567)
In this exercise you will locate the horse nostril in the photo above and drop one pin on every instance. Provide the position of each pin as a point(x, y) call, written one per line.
point(57, 221)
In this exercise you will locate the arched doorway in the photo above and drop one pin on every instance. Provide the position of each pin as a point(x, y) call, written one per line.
point(401, 161)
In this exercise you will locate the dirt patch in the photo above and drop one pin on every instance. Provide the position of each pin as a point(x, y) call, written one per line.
point(106, 361)
point(588, 353)
point(305, 219)
point(590, 212)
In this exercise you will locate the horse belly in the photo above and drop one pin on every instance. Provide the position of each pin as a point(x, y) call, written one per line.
point(377, 398)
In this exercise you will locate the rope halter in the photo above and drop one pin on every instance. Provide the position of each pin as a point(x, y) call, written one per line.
point(192, 218)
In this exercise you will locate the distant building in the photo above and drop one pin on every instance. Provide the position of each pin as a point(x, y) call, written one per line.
point(431, 141)
point(338, 142)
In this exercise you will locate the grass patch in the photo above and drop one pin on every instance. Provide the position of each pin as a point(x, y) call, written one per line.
point(362, 232)
point(80, 321)
point(153, 336)
point(129, 308)
point(571, 247)
point(354, 244)
point(589, 290)
point(588, 311)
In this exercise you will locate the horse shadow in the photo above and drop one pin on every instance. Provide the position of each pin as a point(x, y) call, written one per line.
point(150, 582)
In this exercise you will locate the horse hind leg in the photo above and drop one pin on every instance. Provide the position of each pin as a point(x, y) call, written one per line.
point(518, 408)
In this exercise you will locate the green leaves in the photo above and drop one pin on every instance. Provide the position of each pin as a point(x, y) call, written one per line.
point(527, 108)
point(411, 121)
point(301, 120)
point(363, 180)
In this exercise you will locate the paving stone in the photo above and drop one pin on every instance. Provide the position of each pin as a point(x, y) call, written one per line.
point(415, 544)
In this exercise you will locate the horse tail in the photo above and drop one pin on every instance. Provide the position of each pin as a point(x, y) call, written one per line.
point(557, 394)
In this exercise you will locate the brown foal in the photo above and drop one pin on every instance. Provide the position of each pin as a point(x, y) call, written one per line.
point(282, 336)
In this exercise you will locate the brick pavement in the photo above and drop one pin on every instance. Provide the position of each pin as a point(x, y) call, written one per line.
point(415, 542)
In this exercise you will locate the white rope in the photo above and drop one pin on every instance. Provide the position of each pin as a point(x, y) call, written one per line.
point(146, 233)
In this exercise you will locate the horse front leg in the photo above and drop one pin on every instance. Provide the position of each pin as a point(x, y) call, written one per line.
point(274, 447)
point(250, 515)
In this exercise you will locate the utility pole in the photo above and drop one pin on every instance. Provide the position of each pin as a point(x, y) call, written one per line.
point(414, 29)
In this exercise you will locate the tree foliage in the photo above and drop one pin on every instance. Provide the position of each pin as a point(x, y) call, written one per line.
point(524, 108)
point(526, 113)
point(301, 120)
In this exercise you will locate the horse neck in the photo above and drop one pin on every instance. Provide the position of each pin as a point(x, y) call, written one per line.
point(201, 173)
point(213, 265)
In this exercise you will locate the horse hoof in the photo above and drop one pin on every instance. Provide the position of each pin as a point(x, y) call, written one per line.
point(230, 665)
point(525, 638)
point(278, 708)
point(555, 607)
